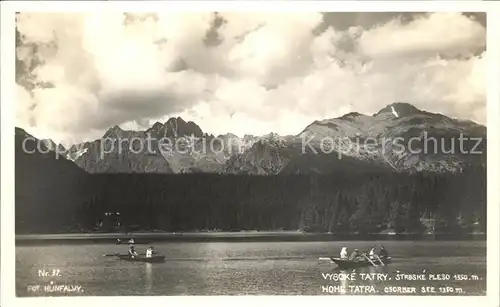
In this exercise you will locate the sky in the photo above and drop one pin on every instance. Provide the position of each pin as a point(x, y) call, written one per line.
point(246, 73)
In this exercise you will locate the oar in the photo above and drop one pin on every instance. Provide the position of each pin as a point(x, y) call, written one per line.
point(118, 254)
point(380, 260)
point(115, 255)
point(370, 260)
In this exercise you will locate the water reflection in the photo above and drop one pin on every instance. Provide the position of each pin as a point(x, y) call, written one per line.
point(344, 284)
point(371, 270)
point(149, 277)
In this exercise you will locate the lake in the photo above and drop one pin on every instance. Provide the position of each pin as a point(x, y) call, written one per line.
point(249, 268)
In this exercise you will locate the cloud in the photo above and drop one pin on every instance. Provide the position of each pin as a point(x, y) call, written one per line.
point(241, 72)
point(449, 34)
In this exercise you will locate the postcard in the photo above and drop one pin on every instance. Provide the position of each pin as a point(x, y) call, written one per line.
point(185, 151)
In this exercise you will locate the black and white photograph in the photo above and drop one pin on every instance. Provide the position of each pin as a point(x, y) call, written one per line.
point(222, 153)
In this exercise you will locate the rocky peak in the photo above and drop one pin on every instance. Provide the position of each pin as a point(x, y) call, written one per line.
point(114, 132)
point(249, 138)
point(227, 135)
point(350, 116)
point(273, 139)
point(402, 109)
point(157, 126)
point(175, 127)
point(175, 121)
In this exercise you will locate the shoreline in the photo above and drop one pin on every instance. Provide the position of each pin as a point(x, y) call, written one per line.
point(244, 236)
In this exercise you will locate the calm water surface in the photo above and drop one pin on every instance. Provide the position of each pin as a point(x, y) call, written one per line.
point(253, 268)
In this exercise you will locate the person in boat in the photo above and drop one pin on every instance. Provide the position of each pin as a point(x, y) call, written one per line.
point(149, 252)
point(132, 253)
point(371, 253)
point(383, 252)
point(343, 253)
point(354, 256)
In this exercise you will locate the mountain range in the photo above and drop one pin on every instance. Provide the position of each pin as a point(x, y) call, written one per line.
point(351, 142)
point(330, 187)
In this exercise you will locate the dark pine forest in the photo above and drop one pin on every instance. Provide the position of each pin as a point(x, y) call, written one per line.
point(339, 203)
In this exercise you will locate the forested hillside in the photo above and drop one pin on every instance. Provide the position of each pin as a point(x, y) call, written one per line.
point(343, 202)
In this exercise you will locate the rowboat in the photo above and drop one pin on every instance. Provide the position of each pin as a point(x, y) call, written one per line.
point(360, 262)
point(118, 254)
point(154, 259)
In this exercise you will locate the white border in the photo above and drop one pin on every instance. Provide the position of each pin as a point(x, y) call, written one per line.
point(7, 286)
point(493, 165)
